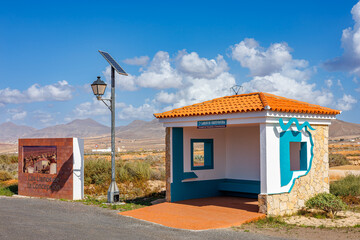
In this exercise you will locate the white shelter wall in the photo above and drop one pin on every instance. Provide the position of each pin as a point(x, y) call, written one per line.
point(243, 153)
point(218, 135)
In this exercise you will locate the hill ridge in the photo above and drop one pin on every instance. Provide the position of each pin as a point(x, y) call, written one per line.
point(137, 129)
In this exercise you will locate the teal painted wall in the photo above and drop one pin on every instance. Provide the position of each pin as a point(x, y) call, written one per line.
point(285, 138)
point(187, 190)
point(286, 175)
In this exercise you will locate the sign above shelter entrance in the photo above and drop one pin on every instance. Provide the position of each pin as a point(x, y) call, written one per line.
point(212, 124)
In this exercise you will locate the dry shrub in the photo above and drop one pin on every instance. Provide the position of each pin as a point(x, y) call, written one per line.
point(351, 200)
point(132, 177)
point(8, 159)
point(327, 202)
point(9, 164)
point(97, 171)
point(349, 185)
point(4, 176)
point(337, 160)
point(133, 171)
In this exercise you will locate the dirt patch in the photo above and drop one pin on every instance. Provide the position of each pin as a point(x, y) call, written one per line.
point(156, 185)
point(346, 167)
point(295, 232)
point(344, 219)
point(337, 173)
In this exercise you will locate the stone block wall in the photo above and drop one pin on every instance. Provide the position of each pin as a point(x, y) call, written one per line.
point(316, 181)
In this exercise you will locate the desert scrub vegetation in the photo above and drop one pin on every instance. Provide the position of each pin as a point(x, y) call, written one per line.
point(337, 160)
point(8, 159)
point(327, 202)
point(347, 186)
point(8, 167)
point(4, 176)
point(132, 177)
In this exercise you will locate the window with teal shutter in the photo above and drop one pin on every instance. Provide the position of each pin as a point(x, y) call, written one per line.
point(202, 154)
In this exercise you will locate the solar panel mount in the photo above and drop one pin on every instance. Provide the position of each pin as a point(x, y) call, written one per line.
point(113, 63)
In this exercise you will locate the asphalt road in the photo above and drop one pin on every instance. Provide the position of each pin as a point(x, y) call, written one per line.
point(30, 218)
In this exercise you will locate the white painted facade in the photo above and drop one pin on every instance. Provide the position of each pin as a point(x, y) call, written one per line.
point(247, 149)
point(242, 152)
point(78, 169)
point(270, 158)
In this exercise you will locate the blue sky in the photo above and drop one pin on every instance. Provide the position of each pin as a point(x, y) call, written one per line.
point(176, 53)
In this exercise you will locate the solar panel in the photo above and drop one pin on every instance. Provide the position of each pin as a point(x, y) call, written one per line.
point(113, 63)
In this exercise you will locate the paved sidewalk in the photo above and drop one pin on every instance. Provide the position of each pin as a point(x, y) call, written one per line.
point(200, 214)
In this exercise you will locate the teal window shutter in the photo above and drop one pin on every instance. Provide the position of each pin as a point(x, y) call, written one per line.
point(303, 156)
point(208, 154)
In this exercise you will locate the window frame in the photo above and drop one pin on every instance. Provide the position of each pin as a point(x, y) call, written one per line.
point(208, 154)
point(303, 165)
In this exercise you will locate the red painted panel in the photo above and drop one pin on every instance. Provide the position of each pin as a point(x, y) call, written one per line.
point(59, 185)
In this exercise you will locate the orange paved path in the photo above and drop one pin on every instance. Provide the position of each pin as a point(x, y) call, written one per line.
point(200, 214)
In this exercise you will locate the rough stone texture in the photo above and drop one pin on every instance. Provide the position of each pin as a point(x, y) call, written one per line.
point(316, 181)
point(167, 163)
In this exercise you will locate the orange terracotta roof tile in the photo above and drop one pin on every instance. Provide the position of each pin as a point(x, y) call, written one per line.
point(251, 102)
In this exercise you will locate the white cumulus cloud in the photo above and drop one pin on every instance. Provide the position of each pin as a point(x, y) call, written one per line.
point(193, 65)
point(262, 62)
point(184, 79)
point(346, 102)
point(202, 89)
point(201, 79)
point(138, 61)
point(275, 71)
point(60, 91)
point(165, 97)
point(350, 42)
point(122, 82)
point(160, 74)
point(144, 111)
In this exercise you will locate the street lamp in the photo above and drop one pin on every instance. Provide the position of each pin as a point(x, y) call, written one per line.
point(98, 87)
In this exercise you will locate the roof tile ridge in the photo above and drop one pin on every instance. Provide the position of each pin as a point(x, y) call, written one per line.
point(298, 101)
point(241, 95)
point(264, 101)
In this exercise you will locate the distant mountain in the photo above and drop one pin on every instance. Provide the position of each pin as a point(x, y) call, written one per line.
point(80, 128)
point(139, 129)
point(340, 128)
point(83, 128)
point(11, 132)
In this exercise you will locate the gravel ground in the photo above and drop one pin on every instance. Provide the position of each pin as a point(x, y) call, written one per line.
point(31, 218)
point(347, 219)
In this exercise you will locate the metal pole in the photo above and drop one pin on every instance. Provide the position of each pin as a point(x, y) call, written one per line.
point(113, 192)
point(112, 124)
